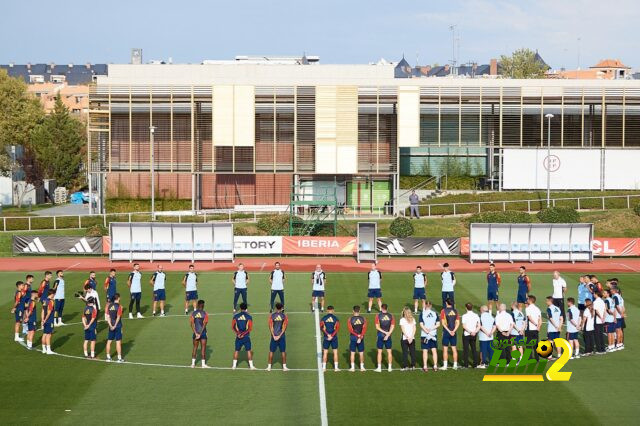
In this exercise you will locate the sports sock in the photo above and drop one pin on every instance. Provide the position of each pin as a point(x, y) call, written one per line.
point(161, 312)
point(284, 366)
point(353, 365)
point(119, 357)
point(324, 365)
point(29, 344)
point(269, 366)
point(235, 362)
point(108, 356)
point(203, 363)
point(379, 366)
point(251, 364)
point(361, 365)
point(93, 354)
point(17, 335)
point(86, 353)
point(455, 364)
point(444, 364)
point(193, 361)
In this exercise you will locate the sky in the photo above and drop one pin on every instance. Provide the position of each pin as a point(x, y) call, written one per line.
point(567, 33)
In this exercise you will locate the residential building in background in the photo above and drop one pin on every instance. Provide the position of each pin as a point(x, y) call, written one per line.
point(607, 69)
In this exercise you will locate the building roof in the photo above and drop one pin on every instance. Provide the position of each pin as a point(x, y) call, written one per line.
point(403, 69)
point(610, 63)
point(74, 74)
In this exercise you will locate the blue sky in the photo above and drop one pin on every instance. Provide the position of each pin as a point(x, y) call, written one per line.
point(338, 31)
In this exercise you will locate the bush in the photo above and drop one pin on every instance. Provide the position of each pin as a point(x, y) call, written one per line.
point(96, 231)
point(401, 227)
point(558, 215)
point(459, 182)
point(637, 209)
point(274, 224)
point(410, 181)
point(509, 216)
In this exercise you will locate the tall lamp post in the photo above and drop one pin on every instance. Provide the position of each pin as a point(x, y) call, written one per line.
point(152, 130)
point(548, 117)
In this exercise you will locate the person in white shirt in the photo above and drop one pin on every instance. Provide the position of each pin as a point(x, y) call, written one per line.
point(318, 281)
point(429, 323)
point(190, 284)
point(573, 325)
point(534, 322)
point(504, 324)
point(58, 298)
point(158, 280)
point(375, 289)
point(587, 327)
point(519, 324)
point(609, 320)
point(240, 281)
point(618, 302)
point(419, 289)
point(448, 285)
point(276, 279)
point(599, 310)
point(559, 290)
point(554, 322)
point(408, 342)
point(487, 330)
point(470, 326)
point(135, 289)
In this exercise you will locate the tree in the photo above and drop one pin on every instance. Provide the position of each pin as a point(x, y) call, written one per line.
point(523, 63)
point(58, 143)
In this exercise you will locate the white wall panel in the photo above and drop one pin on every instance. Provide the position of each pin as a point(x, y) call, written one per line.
point(244, 121)
point(622, 169)
point(223, 111)
point(325, 156)
point(408, 116)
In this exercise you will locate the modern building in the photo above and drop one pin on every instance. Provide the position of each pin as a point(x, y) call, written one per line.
point(243, 133)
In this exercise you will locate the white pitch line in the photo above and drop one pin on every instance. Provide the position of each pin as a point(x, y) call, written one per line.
point(69, 267)
point(627, 266)
point(321, 388)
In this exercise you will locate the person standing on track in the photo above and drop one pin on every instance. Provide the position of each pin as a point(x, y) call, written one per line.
point(158, 280)
point(190, 284)
point(450, 322)
point(329, 325)
point(385, 324)
point(357, 329)
point(242, 324)
point(278, 322)
point(318, 281)
point(276, 279)
point(448, 285)
point(375, 287)
point(559, 290)
point(419, 289)
point(240, 281)
point(199, 320)
point(524, 287)
point(58, 299)
point(493, 285)
point(114, 321)
point(89, 323)
point(135, 288)
point(18, 310)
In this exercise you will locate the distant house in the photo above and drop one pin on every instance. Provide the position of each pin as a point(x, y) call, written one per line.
point(472, 70)
point(51, 73)
point(606, 69)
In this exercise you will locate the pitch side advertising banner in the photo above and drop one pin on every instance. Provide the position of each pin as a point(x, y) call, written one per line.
point(414, 246)
point(33, 244)
point(599, 246)
point(319, 245)
point(257, 245)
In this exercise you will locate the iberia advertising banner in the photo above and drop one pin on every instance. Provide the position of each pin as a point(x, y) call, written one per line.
point(319, 245)
point(599, 246)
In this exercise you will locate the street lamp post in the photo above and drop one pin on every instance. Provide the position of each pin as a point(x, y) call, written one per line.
point(548, 117)
point(152, 130)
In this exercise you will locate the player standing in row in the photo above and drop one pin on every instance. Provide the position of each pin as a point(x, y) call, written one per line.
point(158, 280)
point(559, 290)
point(357, 329)
point(190, 284)
point(450, 322)
point(448, 285)
point(375, 287)
point(90, 322)
point(385, 324)
point(618, 302)
point(493, 286)
point(58, 298)
point(554, 322)
point(18, 310)
point(31, 317)
point(519, 325)
point(199, 320)
point(28, 292)
point(276, 279)
point(135, 288)
point(419, 289)
point(429, 323)
point(524, 287)
point(534, 321)
point(487, 331)
point(90, 287)
point(242, 324)
point(43, 290)
point(599, 310)
point(609, 320)
point(240, 281)
point(48, 314)
point(114, 321)
point(110, 285)
point(277, 326)
point(330, 325)
point(470, 329)
point(573, 325)
point(583, 293)
point(318, 281)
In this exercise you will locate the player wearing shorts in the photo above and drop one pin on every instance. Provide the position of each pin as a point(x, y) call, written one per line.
point(450, 322)
point(329, 325)
point(43, 290)
point(110, 285)
point(610, 320)
point(277, 326)
point(18, 310)
point(58, 299)
point(534, 322)
point(90, 288)
point(318, 281)
point(89, 323)
point(493, 285)
point(31, 318)
point(114, 321)
point(276, 279)
point(375, 287)
point(485, 336)
point(419, 289)
point(242, 324)
point(135, 289)
point(618, 303)
point(48, 314)
point(199, 320)
point(357, 325)
point(448, 279)
point(519, 325)
point(524, 287)
point(573, 325)
point(28, 292)
point(554, 322)
point(385, 323)
point(190, 284)
point(583, 292)
point(240, 281)
point(429, 323)
point(158, 280)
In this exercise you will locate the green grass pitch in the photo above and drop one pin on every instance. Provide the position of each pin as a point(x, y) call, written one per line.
point(61, 390)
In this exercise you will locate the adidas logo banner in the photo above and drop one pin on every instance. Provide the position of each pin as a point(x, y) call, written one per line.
point(413, 246)
point(56, 245)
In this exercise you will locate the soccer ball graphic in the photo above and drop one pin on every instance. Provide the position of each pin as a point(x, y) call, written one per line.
point(544, 348)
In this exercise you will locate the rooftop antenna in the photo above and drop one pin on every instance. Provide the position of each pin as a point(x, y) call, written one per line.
point(452, 28)
point(579, 40)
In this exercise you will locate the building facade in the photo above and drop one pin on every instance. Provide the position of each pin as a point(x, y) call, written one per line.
point(227, 135)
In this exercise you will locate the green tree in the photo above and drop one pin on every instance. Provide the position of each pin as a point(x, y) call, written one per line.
point(523, 63)
point(58, 143)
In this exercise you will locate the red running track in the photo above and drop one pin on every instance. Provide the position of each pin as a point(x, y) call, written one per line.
point(304, 264)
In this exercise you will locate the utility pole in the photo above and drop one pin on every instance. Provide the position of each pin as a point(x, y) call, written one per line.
point(152, 130)
point(548, 117)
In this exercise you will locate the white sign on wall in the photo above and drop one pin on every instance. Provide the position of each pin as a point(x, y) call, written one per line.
point(257, 245)
point(621, 169)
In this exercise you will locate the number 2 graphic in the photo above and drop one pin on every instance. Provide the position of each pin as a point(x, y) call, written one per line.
point(553, 373)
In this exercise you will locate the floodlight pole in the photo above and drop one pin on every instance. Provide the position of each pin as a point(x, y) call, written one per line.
point(152, 130)
point(549, 117)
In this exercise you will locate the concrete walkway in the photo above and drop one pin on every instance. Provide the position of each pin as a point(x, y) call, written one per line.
point(64, 209)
